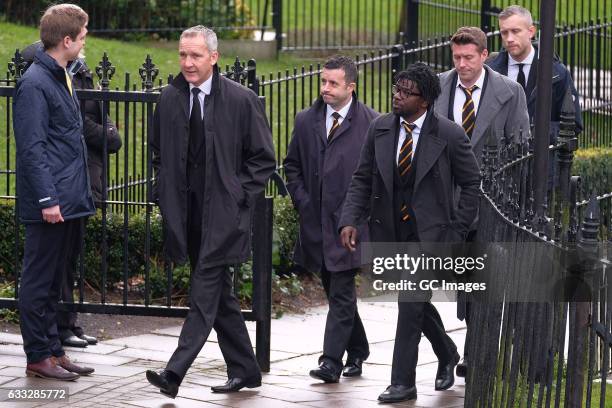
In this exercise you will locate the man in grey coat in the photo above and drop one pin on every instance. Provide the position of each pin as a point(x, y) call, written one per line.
point(322, 155)
point(477, 99)
point(212, 155)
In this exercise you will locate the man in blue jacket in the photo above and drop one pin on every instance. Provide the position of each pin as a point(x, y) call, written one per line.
point(52, 186)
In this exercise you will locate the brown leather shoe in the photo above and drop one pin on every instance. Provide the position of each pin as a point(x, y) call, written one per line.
point(66, 364)
point(48, 368)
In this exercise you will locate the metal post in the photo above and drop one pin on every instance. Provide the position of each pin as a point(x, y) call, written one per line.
point(485, 17)
point(409, 24)
point(277, 22)
point(397, 52)
point(262, 278)
point(543, 103)
point(588, 253)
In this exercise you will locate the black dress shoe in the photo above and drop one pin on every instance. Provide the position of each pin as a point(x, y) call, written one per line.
point(89, 339)
point(166, 381)
point(397, 393)
point(74, 341)
point(352, 367)
point(326, 373)
point(461, 370)
point(445, 377)
point(236, 384)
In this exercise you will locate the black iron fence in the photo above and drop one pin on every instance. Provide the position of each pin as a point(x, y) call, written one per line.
point(163, 18)
point(121, 269)
point(305, 24)
point(549, 350)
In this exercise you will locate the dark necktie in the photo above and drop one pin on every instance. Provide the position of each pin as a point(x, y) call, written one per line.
point(404, 163)
point(196, 126)
point(468, 112)
point(335, 126)
point(520, 78)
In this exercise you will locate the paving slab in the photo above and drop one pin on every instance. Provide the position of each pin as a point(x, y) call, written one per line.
point(5, 379)
point(179, 403)
point(10, 338)
point(296, 344)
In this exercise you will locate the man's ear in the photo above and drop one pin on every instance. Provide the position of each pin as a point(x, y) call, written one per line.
point(66, 41)
point(532, 31)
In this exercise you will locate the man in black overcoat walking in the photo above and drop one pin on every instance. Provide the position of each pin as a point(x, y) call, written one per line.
point(212, 155)
point(322, 156)
point(411, 164)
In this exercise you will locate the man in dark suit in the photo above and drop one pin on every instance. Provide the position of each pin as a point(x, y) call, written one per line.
point(410, 166)
point(52, 186)
point(478, 99)
point(212, 155)
point(322, 155)
point(519, 61)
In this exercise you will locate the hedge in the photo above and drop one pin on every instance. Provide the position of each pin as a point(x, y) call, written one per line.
point(285, 233)
point(594, 165)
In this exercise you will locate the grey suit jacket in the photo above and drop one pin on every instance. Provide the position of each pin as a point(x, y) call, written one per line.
point(502, 107)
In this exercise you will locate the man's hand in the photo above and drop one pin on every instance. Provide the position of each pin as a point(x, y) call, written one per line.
point(348, 235)
point(52, 214)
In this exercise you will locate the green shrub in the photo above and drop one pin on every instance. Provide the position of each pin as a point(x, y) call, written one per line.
point(285, 235)
point(155, 14)
point(7, 240)
point(594, 166)
point(286, 230)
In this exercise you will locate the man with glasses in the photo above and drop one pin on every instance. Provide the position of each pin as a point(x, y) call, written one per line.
point(412, 162)
point(477, 99)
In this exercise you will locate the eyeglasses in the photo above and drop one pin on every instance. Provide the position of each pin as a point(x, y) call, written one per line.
point(404, 93)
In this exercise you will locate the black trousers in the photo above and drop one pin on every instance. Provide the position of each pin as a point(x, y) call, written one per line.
point(47, 250)
point(413, 319)
point(344, 330)
point(66, 321)
point(212, 305)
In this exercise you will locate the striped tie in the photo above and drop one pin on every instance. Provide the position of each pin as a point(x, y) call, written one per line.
point(335, 126)
point(404, 163)
point(468, 113)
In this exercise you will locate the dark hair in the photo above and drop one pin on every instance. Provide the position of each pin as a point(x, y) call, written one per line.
point(425, 80)
point(344, 63)
point(59, 21)
point(470, 35)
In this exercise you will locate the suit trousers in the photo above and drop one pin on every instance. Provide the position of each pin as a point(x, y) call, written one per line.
point(212, 306)
point(343, 328)
point(66, 321)
point(413, 319)
point(48, 247)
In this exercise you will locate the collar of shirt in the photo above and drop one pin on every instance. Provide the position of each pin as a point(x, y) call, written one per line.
point(416, 132)
point(459, 98)
point(479, 82)
point(205, 88)
point(526, 61)
point(329, 120)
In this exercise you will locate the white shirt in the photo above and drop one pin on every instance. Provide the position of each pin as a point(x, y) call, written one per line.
point(513, 68)
point(415, 135)
point(329, 120)
point(460, 97)
point(205, 88)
